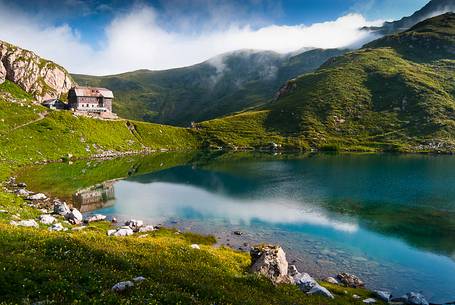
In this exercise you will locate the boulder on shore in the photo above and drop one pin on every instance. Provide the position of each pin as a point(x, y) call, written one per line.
point(309, 285)
point(331, 280)
point(134, 224)
point(61, 208)
point(74, 217)
point(270, 261)
point(96, 217)
point(122, 231)
point(350, 280)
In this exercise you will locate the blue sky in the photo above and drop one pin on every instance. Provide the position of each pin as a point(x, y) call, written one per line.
point(159, 34)
point(91, 17)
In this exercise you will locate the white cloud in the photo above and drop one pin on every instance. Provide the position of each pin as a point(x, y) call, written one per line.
point(135, 40)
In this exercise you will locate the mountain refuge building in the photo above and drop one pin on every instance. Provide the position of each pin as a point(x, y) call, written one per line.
point(90, 101)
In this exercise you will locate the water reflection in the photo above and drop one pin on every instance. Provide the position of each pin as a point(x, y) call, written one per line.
point(388, 218)
point(95, 197)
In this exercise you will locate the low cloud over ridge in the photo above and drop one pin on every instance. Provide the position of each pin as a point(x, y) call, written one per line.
point(135, 40)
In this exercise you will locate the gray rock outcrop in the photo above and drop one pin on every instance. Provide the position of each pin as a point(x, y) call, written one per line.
point(270, 261)
point(41, 78)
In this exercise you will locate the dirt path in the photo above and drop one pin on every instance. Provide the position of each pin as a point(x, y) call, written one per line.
point(41, 115)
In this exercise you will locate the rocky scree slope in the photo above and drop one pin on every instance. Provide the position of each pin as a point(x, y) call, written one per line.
point(41, 78)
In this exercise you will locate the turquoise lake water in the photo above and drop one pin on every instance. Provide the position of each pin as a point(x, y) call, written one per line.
point(390, 219)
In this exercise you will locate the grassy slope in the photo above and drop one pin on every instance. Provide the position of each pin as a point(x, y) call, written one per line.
point(374, 98)
point(200, 92)
point(175, 273)
point(81, 267)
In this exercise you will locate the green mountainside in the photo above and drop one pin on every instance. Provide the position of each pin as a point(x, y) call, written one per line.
point(385, 96)
point(222, 85)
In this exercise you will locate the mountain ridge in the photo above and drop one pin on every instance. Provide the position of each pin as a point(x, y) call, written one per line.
point(431, 9)
point(224, 84)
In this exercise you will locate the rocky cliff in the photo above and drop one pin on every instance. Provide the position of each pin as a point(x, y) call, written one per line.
point(41, 78)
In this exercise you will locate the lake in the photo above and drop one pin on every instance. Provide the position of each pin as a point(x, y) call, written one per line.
point(390, 219)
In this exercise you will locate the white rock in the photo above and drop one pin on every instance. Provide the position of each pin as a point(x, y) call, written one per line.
point(61, 208)
point(195, 246)
point(47, 219)
point(122, 286)
point(147, 228)
point(74, 217)
point(3, 211)
point(25, 223)
point(37, 196)
point(369, 301)
point(22, 192)
point(57, 227)
point(96, 217)
point(122, 231)
point(331, 280)
point(134, 224)
point(138, 279)
point(304, 281)
point(319, 290)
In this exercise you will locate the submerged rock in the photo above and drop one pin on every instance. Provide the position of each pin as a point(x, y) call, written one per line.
point(350, 280)
point(47, 219)
point(383, 295)
point(416, 299)
point(122, 286)
point(270, 261)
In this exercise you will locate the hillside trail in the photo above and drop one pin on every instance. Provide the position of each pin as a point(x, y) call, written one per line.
point(41, 116)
